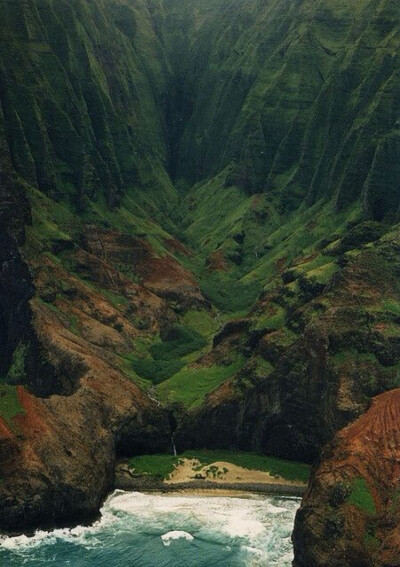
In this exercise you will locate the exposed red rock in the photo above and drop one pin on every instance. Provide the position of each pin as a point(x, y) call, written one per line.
point(5, 433)
point(162, 275)
point(217, 262)
point(62, 453)
point(175, 246)
point(333, 528)
point(79, 408)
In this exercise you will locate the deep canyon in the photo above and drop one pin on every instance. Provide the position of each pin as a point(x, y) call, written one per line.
point(199, 226)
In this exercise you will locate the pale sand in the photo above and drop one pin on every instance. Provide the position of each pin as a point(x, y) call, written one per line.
point(217, 492)
point(222, 472)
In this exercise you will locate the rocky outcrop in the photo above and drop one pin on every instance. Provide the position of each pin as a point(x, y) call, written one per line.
point(290, 413)
point(16, 289)
point(67, 408)
point(163, 276)
point(350, 514)
point(57, 452)
point(58, 457)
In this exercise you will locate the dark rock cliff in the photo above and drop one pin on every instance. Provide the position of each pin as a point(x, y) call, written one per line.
point(74, 412)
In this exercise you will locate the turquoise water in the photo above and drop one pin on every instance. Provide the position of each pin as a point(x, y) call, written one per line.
point(155, 530)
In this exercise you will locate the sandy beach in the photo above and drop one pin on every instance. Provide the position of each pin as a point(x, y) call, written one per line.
point(220, 472)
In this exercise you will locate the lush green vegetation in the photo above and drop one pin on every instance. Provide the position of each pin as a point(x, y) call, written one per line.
point(391, 306)
point(10, 406)
point(265, 189)
point(17, 373)
point(273, 319)
point(115, 299)
point(163, 465)
point(192, 383)
point(228, 294)
point(180, 342)
point(156, 370)
point(160, 466)
point(206, 323)
point(165, 356)
point(361, 497)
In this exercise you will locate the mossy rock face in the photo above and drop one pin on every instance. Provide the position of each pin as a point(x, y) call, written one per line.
point(273, 345)
point(361, 234)
point(360, 496)
point(275, 103)
point(79, 131)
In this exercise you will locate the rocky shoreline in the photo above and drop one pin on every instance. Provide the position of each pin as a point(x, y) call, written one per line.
point(151, 484)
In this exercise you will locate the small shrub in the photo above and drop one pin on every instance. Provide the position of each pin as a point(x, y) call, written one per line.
point(361, 497)
point(180, 342)
point(340, 491)
point(156, 370)
point(17, 373)
point(334, 526)
point(310, 287)
point(229, 296)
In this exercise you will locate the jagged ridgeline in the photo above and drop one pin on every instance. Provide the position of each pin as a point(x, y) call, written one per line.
point(204, 195)
point(295, 99)
point(82, 96)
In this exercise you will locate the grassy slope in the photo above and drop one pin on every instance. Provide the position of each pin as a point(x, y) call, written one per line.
point(191, 384)
point(10, 406)
point(361, 497)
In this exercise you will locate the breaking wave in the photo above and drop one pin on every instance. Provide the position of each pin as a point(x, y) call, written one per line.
point(145, 530)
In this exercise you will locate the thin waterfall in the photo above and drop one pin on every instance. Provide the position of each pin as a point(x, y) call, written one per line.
point(173, 446)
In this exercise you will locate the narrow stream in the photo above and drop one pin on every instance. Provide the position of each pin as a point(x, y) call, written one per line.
point(154, 530)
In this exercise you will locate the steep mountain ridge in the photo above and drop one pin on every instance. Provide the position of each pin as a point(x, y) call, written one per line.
point(206, 196)
point(81, 103)
point(295, 125)
point(193, 88)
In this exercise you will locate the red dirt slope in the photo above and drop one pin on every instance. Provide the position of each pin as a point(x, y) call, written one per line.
point(341, 524)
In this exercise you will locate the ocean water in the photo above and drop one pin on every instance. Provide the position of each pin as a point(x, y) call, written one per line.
point(155, 530)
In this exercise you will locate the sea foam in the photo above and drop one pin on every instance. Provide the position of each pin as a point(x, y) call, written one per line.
point(170, 536)
point(255, 529)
